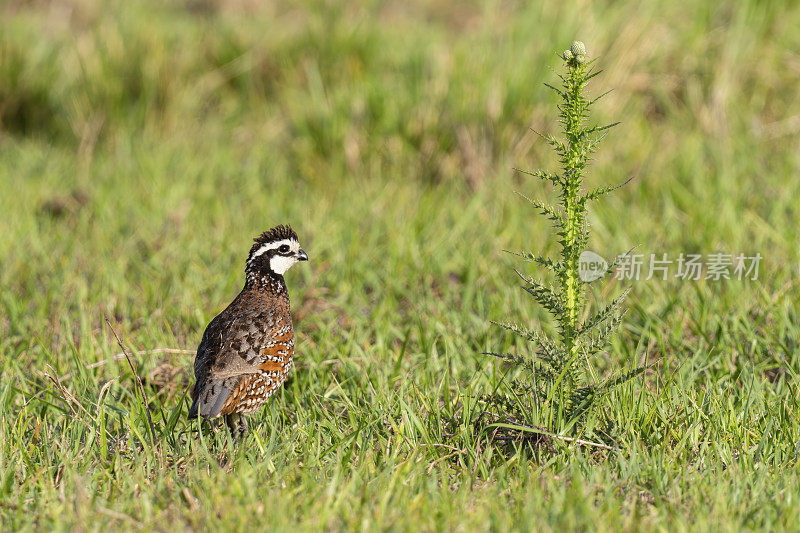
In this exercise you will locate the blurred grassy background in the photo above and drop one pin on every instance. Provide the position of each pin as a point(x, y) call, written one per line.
point(144, 144)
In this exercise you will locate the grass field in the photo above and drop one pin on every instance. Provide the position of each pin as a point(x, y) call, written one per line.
point(144, 144)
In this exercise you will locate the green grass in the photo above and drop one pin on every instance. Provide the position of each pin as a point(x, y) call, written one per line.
point(144, 144)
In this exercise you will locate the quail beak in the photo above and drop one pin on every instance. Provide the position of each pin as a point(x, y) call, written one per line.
point(301, 255)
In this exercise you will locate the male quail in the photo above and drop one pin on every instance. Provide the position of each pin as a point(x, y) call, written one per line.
point(247, 350)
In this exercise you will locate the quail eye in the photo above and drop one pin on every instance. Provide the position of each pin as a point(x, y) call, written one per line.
point(284, 248)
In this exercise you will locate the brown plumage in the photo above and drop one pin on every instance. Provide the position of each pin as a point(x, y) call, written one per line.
point(247, 350)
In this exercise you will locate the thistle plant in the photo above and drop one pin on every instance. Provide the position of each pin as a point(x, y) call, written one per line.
point(560, 383)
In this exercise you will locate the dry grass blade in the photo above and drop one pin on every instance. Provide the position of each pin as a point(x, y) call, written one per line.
point(544, 432)
point(138, 383)
point(68, 397)
point(103, 391)
point(121, 356)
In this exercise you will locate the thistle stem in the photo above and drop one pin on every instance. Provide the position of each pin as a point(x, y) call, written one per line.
point(573, 160)
point(559, 388)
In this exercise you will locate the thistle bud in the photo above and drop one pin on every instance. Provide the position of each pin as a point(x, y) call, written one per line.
point(567, 56)
point(578, 49)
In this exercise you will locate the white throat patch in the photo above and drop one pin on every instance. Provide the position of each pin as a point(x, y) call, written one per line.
point(280, 263)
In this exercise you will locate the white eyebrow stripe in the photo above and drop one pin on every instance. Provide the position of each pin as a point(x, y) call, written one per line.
point(271, 246)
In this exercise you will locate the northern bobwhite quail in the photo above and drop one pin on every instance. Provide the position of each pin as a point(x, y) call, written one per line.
point(247, 350)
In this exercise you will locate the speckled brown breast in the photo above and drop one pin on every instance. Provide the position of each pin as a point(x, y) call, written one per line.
point(253, 390)
point(246, 352)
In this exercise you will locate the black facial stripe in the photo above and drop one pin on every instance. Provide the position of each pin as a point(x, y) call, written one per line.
point(269, 254)
point(260, 265)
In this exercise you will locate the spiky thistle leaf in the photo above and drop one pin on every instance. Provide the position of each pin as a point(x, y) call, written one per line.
point(547, 297)
point(602, 191)
point(604, 314)
point(553, 213)
point(546, 262)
